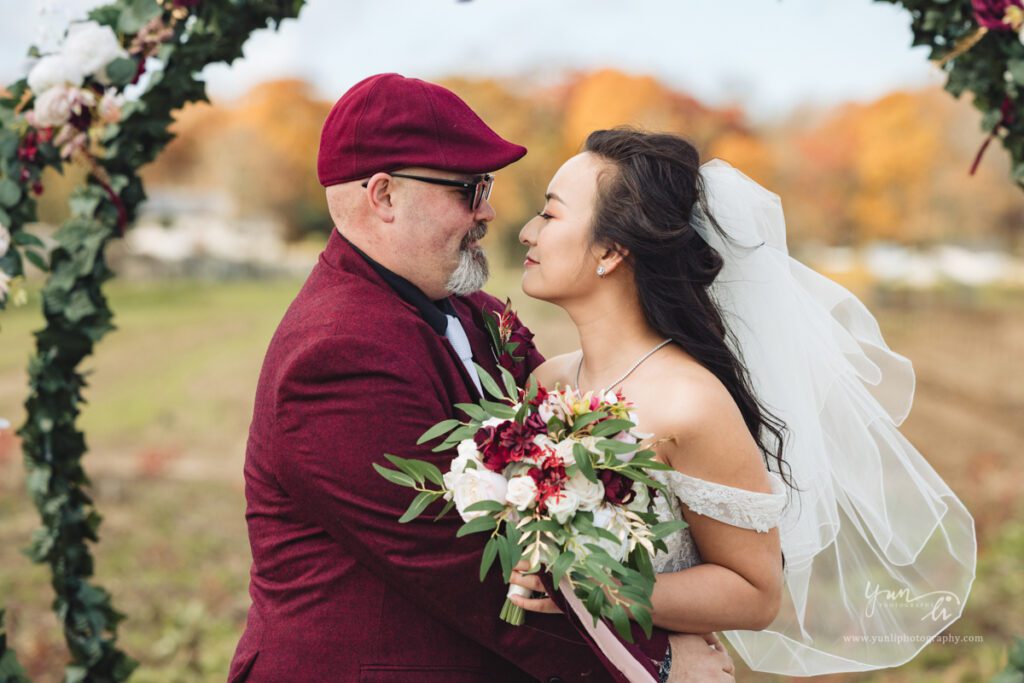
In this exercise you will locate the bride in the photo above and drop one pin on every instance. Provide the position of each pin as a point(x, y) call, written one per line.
point(819, 539)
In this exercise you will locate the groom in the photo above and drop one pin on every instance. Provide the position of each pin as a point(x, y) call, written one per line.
point(378, 346)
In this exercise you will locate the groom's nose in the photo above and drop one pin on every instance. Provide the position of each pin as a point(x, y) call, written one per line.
point(484, 212)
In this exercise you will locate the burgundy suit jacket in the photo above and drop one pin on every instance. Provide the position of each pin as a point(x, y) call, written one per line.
point(340, 590)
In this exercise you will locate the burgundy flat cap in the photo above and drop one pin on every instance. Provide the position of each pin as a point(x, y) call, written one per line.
point(387, 122)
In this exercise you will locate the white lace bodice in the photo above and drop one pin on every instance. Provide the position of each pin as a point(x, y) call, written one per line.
point(738, 507)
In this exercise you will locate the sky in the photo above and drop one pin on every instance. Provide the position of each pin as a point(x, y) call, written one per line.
point(770, 56)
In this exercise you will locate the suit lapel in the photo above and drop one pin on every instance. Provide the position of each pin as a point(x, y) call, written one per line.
point(483, 354)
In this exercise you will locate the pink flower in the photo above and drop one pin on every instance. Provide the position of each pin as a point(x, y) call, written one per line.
point(109, 108)
point(53, 106)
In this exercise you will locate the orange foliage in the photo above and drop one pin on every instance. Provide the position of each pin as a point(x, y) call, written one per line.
point(891, 169)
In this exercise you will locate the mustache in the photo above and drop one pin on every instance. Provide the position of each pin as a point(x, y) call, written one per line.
point(478, 232)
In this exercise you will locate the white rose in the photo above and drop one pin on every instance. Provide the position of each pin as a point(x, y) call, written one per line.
point(545, 442)
point(53, 107)
point(611, 397)
point(590, 493)
point(545, 412)
point(492, 422)
point(467, 451)
point(563, 506)
point(611, 518)
point(92, 47)
point(53, 70)
point(563, 449)
point(641, 498)
point(475, 485)
point(521, 492)
point(5, 239)
point(625, 437)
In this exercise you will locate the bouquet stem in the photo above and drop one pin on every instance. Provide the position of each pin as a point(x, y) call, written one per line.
point(511, 612)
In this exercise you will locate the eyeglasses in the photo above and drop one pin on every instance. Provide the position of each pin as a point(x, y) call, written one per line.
point(474, 192)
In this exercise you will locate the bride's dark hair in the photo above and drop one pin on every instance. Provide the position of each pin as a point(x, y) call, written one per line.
point(645, 207)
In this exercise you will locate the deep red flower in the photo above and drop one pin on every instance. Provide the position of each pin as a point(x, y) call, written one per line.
point(139, 70)
point(618, 490)
point(542, 395)
point(82, 120)
point(550, 478)
point(494, 456)
point(37, 188)
point(535, 424)
point(518, 440)
point(991, 13)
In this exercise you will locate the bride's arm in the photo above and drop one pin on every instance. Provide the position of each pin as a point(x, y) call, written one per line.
point(739, 586)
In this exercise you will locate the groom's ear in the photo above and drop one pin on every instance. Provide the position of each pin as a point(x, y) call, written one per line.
point(378, 196)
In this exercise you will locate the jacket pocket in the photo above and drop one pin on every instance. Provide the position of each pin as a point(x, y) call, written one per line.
point(401, 673)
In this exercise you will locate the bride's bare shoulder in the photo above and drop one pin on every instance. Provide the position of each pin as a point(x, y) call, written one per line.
point(707, 434)
point(558, 369)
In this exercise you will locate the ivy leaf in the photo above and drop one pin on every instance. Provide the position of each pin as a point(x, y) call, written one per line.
point(37, 260)
point(10, 193)
point(122, 70)
point(136, 15)
point(23, 238)
point(1016, 69)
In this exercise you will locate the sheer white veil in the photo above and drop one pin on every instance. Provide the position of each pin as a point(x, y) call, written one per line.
point(880, 553)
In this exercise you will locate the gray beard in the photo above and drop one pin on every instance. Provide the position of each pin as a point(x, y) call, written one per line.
point(472, 272)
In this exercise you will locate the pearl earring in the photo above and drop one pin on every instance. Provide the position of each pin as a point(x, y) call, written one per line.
point(601, 271)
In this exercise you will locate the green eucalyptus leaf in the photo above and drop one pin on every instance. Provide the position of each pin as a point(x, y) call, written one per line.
point(395, 477)
point(417, 506)
point(474, 526)
point(490, 386)
point(121, 71)
point(584, 461)
point(10, 193)
point(490, 552)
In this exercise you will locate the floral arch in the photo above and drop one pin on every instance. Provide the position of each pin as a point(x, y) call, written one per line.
point(71, 108)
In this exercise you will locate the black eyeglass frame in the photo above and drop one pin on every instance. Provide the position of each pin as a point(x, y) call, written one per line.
point(475, 192)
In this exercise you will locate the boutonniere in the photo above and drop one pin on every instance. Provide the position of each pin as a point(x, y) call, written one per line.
point(509, 337)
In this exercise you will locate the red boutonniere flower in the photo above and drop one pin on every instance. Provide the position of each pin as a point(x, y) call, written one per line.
point(509, 337)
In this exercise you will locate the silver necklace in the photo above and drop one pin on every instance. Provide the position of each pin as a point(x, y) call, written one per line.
point(628, 372)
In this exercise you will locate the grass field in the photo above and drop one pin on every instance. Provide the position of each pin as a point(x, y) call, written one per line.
point(170, 404)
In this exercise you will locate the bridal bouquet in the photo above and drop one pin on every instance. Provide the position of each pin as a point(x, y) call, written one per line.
point(555, 477)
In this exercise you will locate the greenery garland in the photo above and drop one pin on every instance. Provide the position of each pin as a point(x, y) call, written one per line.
point(980, 45)
point(115, 139)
